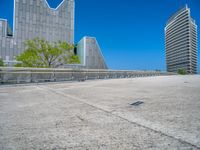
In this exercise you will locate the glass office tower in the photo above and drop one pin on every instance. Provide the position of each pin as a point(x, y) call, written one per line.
point(181, 42)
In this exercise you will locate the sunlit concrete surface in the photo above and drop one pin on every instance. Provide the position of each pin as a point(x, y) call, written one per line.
point(98, 115)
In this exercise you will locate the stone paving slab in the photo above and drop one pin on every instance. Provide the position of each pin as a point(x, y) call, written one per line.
point(98, 114)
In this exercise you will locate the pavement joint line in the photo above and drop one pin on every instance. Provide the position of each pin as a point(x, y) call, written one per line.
point(110, 112)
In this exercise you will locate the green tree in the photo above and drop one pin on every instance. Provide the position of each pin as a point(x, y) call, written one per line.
point(182, 71)
point(1, 62)
point(40, 53)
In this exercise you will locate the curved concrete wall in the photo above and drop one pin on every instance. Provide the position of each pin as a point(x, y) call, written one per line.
point(90, 54)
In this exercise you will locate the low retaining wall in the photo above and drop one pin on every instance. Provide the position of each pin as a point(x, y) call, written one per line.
point(35, 75)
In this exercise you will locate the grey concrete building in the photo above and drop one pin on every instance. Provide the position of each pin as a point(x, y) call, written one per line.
point(90, 54)
point(181, 42)
point(35, 18)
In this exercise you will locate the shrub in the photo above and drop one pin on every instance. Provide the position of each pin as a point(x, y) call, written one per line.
point(182, 71)
point(1, 62)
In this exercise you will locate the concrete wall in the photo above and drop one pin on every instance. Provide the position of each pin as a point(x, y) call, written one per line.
point(28, 75)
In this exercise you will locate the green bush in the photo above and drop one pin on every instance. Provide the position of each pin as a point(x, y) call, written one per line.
point(1, 62)
point(182, 71)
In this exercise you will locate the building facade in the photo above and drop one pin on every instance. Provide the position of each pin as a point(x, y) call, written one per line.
point(35, 18)
point(181, 42)
point(90, 54)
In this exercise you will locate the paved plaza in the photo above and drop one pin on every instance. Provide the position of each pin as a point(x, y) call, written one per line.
point(98, 114)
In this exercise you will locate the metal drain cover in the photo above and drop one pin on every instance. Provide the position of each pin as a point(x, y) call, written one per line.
point(137, 103)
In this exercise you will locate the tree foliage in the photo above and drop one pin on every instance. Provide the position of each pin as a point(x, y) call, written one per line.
point(1, 62)
point(40, 53)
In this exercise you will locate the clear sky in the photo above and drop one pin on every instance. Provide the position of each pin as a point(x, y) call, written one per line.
point(130, 32)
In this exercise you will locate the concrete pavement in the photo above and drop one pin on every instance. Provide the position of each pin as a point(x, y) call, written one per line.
point(98, 115)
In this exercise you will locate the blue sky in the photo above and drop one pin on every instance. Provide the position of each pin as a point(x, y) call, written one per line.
point(130, 32)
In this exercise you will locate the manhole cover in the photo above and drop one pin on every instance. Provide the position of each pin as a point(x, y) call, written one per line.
point(137, 103)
